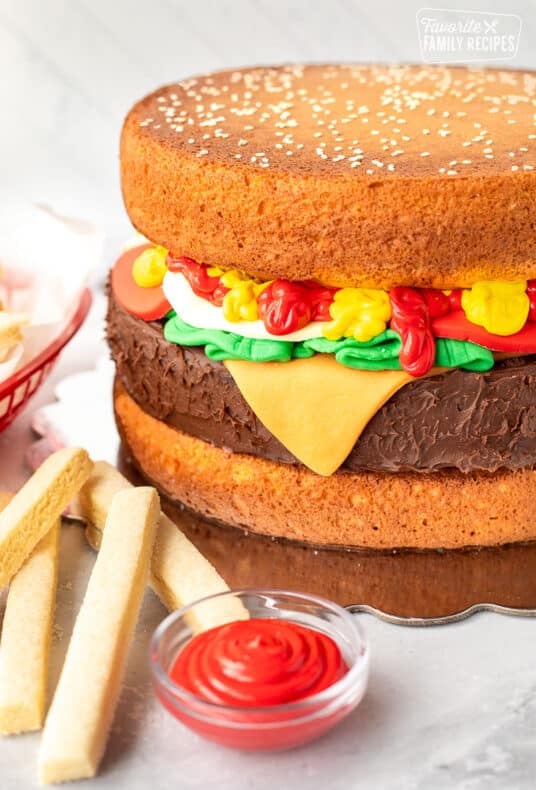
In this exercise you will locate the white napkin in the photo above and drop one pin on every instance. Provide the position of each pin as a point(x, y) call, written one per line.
point(82, 416)
point(46, 260)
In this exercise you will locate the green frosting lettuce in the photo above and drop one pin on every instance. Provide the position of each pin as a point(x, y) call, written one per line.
point(462, 354)
point(380, 353)
point(220, 345)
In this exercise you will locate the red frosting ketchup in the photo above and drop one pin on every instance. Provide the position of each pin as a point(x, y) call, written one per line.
point(200, 281)
point(258, 662)
point(285, 306)
point(411, 313)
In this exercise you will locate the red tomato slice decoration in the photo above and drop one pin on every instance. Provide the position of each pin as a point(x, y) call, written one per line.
point(149, 304)
point(457, 327)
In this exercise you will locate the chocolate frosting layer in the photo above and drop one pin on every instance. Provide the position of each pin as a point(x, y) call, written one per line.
point(456, 420)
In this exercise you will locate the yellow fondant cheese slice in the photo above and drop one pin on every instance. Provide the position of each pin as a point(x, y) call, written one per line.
point(316, 407)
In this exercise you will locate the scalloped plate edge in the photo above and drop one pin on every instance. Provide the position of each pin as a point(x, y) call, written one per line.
point(455, 617)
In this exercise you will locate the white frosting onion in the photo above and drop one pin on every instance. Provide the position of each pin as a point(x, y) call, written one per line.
point(201, 313)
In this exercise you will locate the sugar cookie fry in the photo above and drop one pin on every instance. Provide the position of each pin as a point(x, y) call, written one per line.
point(39, 503)
point(180, 574)
point(10, 331)
point(26, 636)
point(82, 710)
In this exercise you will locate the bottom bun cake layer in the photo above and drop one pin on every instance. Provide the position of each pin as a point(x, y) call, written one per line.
point(447, 509)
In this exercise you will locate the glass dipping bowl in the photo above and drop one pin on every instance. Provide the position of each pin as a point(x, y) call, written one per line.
point(269, 727)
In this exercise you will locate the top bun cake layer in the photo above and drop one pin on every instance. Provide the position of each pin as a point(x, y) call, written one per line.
point(351, 175)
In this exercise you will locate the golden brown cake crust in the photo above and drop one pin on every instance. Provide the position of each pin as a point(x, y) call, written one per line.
point(352, 175)
point(448, 510)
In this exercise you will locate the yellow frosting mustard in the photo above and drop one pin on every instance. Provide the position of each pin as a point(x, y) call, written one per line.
point(149, 268)
point(215, 271)
point(361, 313)
point(240, 302)
point(501, 307)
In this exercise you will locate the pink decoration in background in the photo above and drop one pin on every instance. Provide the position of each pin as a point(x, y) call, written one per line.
point(81, 416)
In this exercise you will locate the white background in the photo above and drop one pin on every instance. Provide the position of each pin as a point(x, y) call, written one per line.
point(449, 707)
point(71, 69)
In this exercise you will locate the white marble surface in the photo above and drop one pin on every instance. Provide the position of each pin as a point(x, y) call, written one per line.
point(448, 707)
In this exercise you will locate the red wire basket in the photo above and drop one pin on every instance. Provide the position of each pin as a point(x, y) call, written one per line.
point(16, 391)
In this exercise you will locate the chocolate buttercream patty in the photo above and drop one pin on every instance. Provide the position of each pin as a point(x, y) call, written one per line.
point(456, 420)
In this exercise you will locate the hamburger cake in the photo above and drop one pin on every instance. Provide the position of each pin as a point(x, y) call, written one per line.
point(327, 331)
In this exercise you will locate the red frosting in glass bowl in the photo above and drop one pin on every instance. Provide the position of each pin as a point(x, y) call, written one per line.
point(288, 673)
